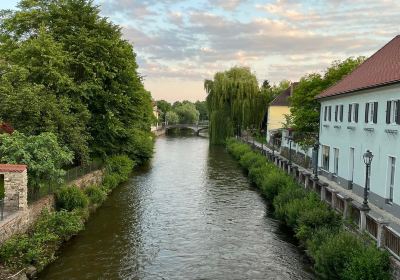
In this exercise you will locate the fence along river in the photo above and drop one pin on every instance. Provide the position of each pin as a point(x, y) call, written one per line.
point(191, 214)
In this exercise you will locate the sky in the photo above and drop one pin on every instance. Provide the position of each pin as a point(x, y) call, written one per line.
point(180, 43)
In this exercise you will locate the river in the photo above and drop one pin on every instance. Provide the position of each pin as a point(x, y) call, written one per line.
point(191, 214)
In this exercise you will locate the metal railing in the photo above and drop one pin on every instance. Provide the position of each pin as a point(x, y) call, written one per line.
point(50, 187)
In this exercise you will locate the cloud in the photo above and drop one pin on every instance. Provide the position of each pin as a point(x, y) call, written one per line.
point(282, 39)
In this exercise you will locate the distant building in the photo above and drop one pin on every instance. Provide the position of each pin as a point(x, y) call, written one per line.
point(359, 113)
point(156, 114)
point(277, 109)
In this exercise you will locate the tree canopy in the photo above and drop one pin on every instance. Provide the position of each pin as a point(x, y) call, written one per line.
point(305, 109)
point(65, 69)
point(233, 102)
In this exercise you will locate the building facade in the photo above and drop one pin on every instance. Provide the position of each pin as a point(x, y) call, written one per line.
point(277, 110)
point(360, 113)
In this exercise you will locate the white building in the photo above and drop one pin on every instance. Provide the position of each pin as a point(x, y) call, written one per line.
point(359, 113)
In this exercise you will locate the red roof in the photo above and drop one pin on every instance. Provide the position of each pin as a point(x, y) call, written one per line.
point(382, 68)
point(12, 168)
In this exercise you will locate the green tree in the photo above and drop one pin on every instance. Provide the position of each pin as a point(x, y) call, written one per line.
point(42, 153)
point(164, 107)
point(172, 117)
point(232, 103)
point(201, 106)
point(87, 65)
point(187, 113)
point(305, 109)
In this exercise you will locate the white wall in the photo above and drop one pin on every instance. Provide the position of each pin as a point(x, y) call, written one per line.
point(379, 142)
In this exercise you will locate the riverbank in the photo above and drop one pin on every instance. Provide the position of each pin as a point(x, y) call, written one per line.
point(30, 252)
point(336, 253)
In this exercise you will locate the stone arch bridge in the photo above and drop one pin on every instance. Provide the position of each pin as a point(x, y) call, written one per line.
point(196, 127)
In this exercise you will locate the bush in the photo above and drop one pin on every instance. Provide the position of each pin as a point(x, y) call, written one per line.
point(111, 181)
point(274, 181)
point(251, 159)
point(335, 253)
point(288, 193)
point(70, 198)
point(63, 224)
point(371, 263)
point(95, 194)
point(119, 165)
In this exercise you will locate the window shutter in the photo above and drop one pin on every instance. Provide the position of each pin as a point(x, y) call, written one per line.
point(330, 113)
point(349, 113)
point(398, 111)
point(325, 112)
point(341, 113)
point(388, 105)
point(356, 112)
point(375, 112)
point(366, 112)
point(336, 112)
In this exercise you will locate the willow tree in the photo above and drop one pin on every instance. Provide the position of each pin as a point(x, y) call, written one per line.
point(233, 103)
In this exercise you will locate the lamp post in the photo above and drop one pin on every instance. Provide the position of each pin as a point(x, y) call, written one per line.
point(262, 142)
point(368, 156)
point(316, 150)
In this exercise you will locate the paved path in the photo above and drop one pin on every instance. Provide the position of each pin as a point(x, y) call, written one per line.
point(376, 212)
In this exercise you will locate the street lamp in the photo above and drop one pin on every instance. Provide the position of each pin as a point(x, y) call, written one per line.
point(368, 156)
point(316, 150)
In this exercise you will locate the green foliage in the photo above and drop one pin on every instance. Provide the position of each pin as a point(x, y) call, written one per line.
point(187, 113)
point(201, 107)
point(233, 103)
point(37, 248)
point(63, 224)
point(70, 198)
point(42, 153)
point(68, 70)
point(111, 181)
point(305, 109)
point(164, 107)
point(95, 194)
point(337, 254)
point(120, 165)
point(172, 117)
point(370, 264)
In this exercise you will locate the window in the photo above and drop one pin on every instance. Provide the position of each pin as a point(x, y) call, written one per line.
point(391, 172)
point(371, 112)
point(325, 113)
point(393, 112)
point(329, 113)
point(336, 161)
point(353, 113)
point(339, 113)
point(325, 157)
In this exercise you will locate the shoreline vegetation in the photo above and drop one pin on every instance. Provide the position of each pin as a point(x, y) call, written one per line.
point(37, 248)
point(335, 252)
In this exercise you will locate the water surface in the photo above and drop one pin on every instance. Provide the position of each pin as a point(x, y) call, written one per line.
point(192, 214)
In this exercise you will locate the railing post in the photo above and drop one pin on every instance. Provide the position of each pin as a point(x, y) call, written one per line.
point(323, 191)
point(363, 219)
point(333, 198)
point(380, 238)
point(347, 207)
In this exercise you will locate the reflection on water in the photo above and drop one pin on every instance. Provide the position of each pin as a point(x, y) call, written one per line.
point(192, 214)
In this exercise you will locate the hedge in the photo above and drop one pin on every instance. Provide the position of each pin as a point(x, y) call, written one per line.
point(336, 253)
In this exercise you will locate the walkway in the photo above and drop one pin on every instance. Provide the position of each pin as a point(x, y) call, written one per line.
point(376, 212)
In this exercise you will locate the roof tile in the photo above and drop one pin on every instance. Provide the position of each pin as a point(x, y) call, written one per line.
point(381, 68)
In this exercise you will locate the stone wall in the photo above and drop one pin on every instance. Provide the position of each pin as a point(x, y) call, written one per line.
point(15, 186)
point(20, 221)
point(93, 178)
point(395, 264)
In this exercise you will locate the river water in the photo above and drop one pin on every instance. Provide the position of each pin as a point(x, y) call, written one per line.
point(191, 214)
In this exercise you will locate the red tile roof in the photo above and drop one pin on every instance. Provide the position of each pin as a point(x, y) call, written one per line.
point(382, 68)
point(12, 168)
